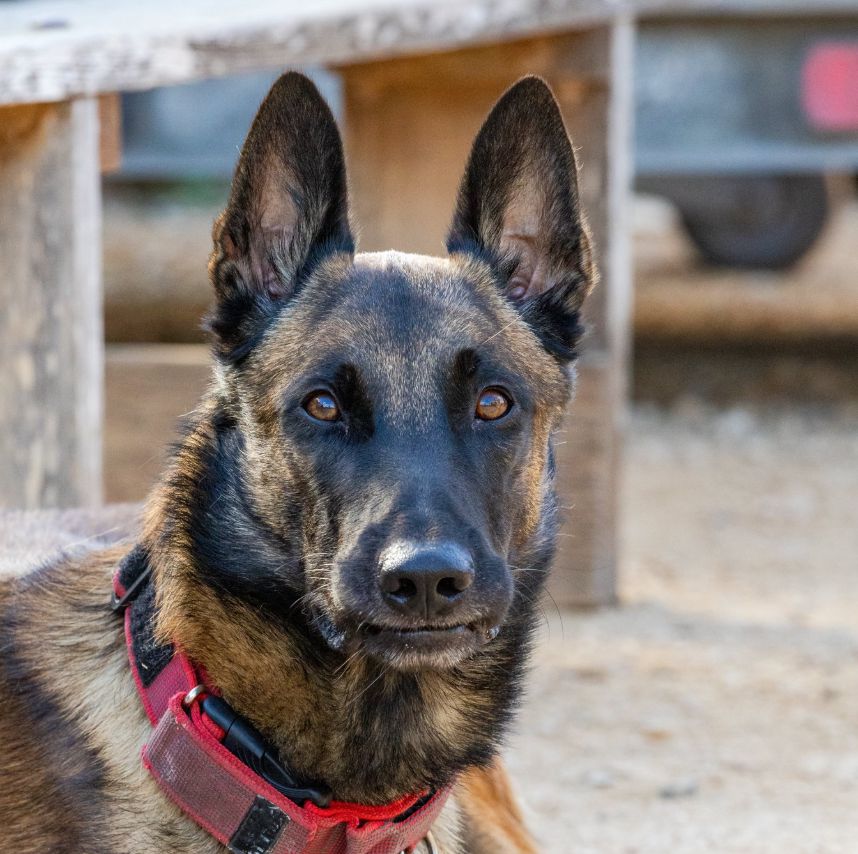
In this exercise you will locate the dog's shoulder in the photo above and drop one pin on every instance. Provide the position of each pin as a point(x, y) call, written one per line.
point(47, 630)
point(491, 819)
point(71, 724)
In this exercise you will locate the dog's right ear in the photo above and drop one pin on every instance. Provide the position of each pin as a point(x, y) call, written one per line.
point(287, 209)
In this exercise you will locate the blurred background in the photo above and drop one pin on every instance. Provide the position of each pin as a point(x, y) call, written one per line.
point(714, 709)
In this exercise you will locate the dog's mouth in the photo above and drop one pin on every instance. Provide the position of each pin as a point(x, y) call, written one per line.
point(425, 646)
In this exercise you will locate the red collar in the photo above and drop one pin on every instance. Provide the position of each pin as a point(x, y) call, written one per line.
point(188, 756)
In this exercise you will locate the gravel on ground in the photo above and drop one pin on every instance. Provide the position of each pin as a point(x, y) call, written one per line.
point(715, 710)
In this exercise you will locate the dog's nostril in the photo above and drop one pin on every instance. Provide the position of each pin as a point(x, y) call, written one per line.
point(450, 587)
point(402, 589)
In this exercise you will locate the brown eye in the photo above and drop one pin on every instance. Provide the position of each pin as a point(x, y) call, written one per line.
point(492, 404)
point(322, 406)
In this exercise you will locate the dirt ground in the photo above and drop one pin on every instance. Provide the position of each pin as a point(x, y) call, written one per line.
point(715, 710)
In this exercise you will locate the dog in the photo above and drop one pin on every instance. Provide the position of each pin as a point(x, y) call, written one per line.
point(347, 547)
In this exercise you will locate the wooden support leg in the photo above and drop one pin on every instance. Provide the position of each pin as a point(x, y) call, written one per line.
point(51, 348)
point(600, 120)
point(409, 124)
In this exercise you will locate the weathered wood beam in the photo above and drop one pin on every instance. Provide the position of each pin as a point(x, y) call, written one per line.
point(110, 132)
point(53, 51)
point(50, 305)
point(409, 125)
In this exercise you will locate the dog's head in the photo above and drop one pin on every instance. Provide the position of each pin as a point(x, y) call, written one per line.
point(394, 411)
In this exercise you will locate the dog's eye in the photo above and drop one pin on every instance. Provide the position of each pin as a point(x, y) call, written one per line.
point(322, 406)
point(492, 404)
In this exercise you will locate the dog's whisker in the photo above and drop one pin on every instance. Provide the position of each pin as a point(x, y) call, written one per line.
point(301, 600)
point(541, 569)
point(559, 615)
point(345, 664)
point(535, 600)
point(94, 537)
point(499, 332)
point(363, 691)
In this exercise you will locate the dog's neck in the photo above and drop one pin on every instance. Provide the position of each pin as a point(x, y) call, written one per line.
point(371, 734)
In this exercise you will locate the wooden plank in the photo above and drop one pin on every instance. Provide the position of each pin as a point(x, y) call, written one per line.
point(50, 306)
point(409, 125)
point(53, 51)
point(743, 8)
point(589, 463)
point(110, 132)
point(148, 387)
point(588, 455)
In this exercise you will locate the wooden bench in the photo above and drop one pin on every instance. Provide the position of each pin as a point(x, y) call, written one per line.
point(419, 76)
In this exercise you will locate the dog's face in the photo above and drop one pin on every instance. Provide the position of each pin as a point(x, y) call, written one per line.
point(396, 410)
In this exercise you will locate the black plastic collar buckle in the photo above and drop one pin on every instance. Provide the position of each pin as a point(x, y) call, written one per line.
point(243, 740)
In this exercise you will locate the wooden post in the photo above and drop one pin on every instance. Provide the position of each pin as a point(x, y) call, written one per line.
point(110, 132)
point(589, 452)
point(409, 125)
point(51, 345)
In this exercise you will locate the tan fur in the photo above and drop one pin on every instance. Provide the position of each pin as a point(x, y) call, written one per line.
point(74, 649)
point(494, 820)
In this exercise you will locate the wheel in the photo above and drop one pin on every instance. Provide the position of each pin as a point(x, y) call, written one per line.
point(757, 221)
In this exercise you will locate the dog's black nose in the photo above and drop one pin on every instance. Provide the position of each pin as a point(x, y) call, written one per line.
point(425, 581)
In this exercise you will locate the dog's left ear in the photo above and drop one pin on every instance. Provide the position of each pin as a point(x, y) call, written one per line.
point(288, 207)
point(518, 206)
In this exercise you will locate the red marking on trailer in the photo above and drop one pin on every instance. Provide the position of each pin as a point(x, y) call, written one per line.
point(830, 86)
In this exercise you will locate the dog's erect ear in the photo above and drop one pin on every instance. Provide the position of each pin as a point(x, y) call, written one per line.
point(288, 207)
point(518, 206)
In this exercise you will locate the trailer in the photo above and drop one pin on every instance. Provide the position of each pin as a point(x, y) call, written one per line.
point(740, 122)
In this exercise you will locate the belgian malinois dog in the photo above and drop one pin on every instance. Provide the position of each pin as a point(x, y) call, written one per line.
point(351, 537)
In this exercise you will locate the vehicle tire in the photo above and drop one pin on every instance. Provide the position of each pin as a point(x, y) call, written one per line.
point(758, 221)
